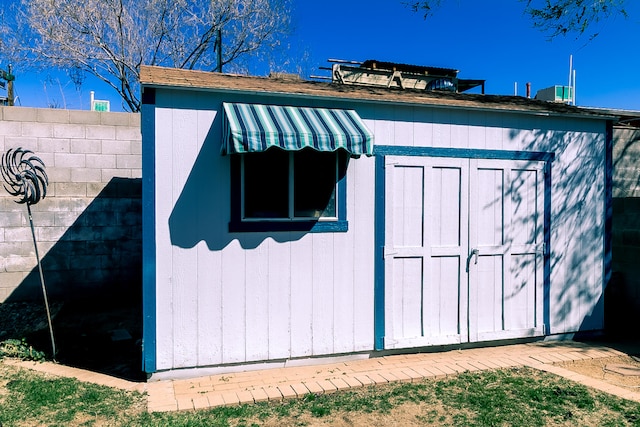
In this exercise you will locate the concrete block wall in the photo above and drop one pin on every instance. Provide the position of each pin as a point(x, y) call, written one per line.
point(623, 293)
point(88, 228)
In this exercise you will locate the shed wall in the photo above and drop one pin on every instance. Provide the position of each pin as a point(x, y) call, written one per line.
point(229, 298)
point(226, 298)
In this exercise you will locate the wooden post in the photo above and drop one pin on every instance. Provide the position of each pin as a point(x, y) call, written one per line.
point(10, 88)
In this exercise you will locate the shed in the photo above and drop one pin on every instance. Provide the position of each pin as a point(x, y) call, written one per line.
point(287, 222)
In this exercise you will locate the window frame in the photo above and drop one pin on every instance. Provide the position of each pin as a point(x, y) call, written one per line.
point(335, 224)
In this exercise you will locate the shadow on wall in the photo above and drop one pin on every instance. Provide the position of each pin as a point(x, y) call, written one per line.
point(576, 232)
point(93, 276)
point(202, 211)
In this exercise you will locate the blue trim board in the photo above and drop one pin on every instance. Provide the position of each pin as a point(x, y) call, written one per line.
point(285, 225)
point(379, 227)
point(148, 233)
point(546, 284)
point(471, 153)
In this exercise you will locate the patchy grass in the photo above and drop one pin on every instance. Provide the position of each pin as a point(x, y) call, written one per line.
point(510, 397)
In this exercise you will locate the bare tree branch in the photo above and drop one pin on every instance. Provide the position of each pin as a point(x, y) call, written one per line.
point(555, 17)
point(110, 39)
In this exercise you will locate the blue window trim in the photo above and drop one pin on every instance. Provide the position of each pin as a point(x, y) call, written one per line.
point(236, 225)
point(379, 216)
point(149, 351)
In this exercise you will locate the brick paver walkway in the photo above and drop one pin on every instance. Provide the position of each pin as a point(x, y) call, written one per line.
point(292, 382)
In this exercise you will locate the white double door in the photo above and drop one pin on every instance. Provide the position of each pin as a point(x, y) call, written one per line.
point(463, 250)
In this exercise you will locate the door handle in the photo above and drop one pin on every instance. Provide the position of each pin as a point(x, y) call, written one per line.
point(474, 254)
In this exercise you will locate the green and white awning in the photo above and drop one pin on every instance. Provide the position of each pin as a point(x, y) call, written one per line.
point(254, 127)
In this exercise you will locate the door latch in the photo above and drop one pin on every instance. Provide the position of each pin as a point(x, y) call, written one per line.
point(474, 254)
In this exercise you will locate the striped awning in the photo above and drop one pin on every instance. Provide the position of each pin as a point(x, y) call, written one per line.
point(255, 127)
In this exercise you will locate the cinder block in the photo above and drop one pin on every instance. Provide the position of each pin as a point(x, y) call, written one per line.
point(13, 219)
point(101, 161)
point(134, 119)
point(70, 189)
point(70, 130)
point(130, 218)
point(95, 188)
point(11, 280)
point(115, 119)
point(53, 145)
point(109, 174)
point(17, 234)
point(84, 117)
point(116, 147)
point(58, 175)
point(128, 134)
point(20, 114)
point(67, 160)
point(85, 175)
point(136, 173)
point(72, 204)
point(113, 233)
point(50, 234)
point(100, 132)
point(86, 146)
point(84, 234)
point(100, 218)
point(43, 219)
point(10, 128)
point(136, 147)
point(17, 248)
point(52, 115)
point(129, 162)
point(21, 141)
point(39, 130)
point(15, 263)
point(84, 262)
point(65, 219)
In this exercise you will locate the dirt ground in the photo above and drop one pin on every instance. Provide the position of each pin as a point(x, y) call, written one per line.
point(623, 371)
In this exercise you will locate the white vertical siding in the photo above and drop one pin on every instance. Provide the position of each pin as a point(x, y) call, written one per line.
point(232, 298)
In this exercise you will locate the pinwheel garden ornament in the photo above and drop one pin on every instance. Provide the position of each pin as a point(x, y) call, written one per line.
point(25, 178)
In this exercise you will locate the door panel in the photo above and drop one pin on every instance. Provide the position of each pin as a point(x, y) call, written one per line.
point(426, 223)
point(437, 212)
point(506, 227)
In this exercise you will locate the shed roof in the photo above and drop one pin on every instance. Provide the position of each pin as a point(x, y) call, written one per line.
point(152, 76)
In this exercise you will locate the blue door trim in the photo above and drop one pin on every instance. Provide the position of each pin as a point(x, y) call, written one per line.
point(546, 286)
point(470, 153)
point(379, 219)
point(148, 232)
point(381, 151)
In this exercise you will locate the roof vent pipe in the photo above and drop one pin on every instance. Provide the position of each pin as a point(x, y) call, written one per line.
point(528, 90)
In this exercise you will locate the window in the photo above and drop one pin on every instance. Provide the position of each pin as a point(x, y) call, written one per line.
point(278, 190)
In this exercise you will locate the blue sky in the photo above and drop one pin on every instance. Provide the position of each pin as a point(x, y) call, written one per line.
point(490, 39)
